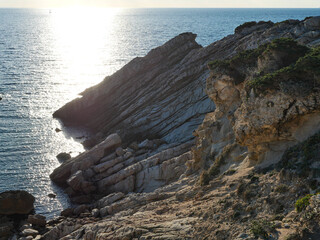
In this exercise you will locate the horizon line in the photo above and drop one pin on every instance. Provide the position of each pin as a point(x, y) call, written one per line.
point(91, 7)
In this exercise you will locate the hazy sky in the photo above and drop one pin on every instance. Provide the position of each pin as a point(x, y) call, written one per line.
point(161, 3)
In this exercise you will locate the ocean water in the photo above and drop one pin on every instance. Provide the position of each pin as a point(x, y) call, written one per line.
point(48, 57)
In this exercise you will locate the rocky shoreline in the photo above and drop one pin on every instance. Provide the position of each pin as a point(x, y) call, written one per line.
point(169, 160)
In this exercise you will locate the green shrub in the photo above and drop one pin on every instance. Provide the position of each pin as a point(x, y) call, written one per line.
point(303, 203)
point(262, 228)
point(250, 24)
point(305, 70)
point(245, 25)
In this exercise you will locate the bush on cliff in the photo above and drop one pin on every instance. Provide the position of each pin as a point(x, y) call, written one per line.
point(305, 73)
point(303, 203)
point(300, 67)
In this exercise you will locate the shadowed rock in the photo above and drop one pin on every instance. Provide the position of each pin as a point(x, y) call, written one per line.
point(16, 202)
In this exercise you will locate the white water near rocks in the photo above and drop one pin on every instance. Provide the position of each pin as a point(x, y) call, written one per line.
point(48, 57)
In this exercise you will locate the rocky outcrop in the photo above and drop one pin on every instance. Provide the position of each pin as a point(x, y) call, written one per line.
point(146, 99)
point(85, 160)
point(108, 168)
point(16, 202)
point(162, 94)
point(267, 100)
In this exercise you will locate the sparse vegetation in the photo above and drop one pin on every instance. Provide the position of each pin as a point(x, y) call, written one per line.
point(299, 63)
point(214, 170)
point(301, 156)
point(282, 188)
point(306, 70)
point(262, 228)
point(250, 24)
point(303, 203)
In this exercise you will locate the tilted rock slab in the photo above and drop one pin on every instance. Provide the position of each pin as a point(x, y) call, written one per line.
point(162, 94)
point(85, 160)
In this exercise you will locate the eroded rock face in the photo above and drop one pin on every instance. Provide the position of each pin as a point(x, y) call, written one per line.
point(266, 99)
point(16, 202)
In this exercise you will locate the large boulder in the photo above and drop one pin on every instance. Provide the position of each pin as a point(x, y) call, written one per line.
point(16, 202)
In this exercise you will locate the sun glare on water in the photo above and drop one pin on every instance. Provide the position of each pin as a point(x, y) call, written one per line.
point(83, 38)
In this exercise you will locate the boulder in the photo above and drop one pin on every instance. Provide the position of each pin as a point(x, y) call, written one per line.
point(29, 232)
point(63, 156)
point(52, 195)
point(16, 202)
point(68, 212)
point(37, 220)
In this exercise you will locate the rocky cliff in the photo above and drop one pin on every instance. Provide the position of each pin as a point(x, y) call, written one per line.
point(162, 94)
point(253, 170)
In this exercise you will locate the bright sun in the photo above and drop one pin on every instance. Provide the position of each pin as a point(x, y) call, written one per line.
point(82, 38)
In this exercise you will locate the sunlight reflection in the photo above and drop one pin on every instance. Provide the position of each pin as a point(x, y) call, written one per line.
point(83, 37)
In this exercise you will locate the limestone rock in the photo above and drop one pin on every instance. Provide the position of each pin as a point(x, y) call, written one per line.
point(16, 202)
point(76, 180)
point(29, 232)
point(106, 165)
point(111, 198)
point(61, 230)
point(85, 160)
point(130, 99)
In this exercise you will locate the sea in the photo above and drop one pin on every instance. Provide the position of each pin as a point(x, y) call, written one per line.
point(49, 56)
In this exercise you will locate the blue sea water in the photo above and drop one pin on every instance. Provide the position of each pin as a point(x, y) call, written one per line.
point(48, 57)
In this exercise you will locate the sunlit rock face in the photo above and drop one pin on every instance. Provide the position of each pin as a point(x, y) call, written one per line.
point(267, 100)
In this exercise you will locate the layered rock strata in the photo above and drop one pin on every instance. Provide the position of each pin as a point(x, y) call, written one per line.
point(108, 168)
point(161, 95)
point(266, 100)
